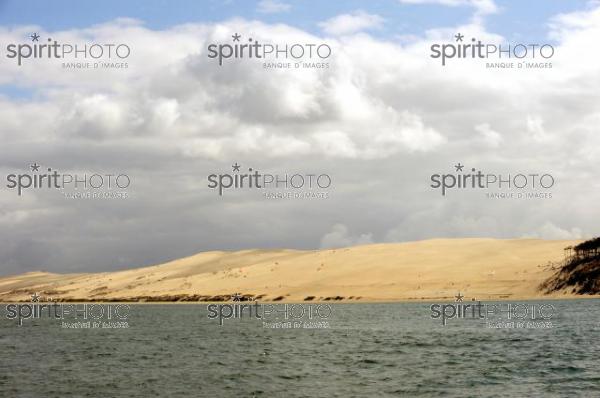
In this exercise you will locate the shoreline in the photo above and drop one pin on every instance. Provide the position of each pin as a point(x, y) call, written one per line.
point(368, 301)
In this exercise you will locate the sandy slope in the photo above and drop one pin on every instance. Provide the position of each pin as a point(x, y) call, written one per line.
point(430, 269)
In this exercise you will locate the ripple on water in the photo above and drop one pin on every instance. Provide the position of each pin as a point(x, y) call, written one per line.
point(373, 350)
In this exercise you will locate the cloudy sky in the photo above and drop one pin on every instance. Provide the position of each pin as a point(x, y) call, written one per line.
point(380, 120)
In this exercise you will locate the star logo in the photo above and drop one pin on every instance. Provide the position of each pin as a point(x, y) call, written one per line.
point(35, 298)
point(35, 167)
point(236, 37)
point(459, 37)
point(236, 167)
point(459, 167)
point(35, 37)
point(236, 297)
point(459, 297)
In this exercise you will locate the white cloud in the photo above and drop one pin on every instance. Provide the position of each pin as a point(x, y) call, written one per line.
point(551, 231)
point(346, 24)
point(489, 136)
point(535, 127)
point(335, 143)
point(482, 7)
point(339, 237)
point(273, 6)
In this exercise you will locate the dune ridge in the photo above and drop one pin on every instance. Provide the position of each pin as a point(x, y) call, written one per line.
point(435, 269)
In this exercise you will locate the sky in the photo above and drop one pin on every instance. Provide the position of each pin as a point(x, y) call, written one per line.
point(381, 118)
point(512, 18)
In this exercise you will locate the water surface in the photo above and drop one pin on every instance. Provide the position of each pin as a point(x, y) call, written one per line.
point(370, 350)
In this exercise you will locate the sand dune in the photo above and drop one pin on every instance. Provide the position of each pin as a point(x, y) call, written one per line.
point(425, 270)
